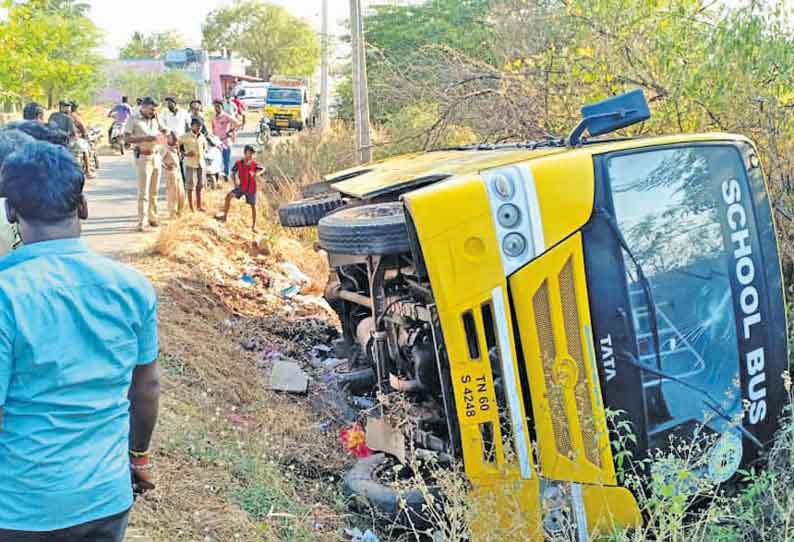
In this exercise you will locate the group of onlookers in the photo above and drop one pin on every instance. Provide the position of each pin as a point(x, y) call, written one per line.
point(68, 120)
point(177, 145)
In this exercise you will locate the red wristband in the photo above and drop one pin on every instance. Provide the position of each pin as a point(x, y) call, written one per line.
point(142, 461)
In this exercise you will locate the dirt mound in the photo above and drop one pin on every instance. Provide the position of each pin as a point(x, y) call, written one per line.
point(253, 275)
point(233, 460)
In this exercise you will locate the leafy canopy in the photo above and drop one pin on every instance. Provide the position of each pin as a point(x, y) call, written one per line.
point(152, 45)
point(397, 31)
point(49, 51)
point(268, 36)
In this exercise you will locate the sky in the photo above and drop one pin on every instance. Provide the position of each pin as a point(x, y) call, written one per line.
point(119, 20)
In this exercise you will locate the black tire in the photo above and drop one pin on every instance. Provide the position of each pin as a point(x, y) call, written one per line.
point(367, 229)
point(308, 211)
point(361, 483)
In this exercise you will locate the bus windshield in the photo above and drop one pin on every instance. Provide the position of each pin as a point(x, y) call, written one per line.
point(669, 205)
point(284, 96)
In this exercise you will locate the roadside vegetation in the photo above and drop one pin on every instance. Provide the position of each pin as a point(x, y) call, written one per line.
point(235, 461)
point(446, 73)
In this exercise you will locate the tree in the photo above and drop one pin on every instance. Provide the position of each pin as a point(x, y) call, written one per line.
point(397, 34)
point(65, 8)
point(268, 36)
point(151, 46)
point(49, 51)
point(397, 31)
point(157, 85)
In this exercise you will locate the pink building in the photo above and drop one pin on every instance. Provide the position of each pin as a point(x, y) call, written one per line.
point(218, 67)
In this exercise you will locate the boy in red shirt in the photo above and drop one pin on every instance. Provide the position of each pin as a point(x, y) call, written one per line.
point(244, 174)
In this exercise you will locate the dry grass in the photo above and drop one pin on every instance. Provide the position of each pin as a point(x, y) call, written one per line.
point(234, 461)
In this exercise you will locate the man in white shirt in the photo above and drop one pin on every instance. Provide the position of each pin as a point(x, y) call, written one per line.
point(175, 119)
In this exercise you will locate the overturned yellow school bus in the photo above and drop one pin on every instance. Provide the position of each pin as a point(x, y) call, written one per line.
point(520, 292)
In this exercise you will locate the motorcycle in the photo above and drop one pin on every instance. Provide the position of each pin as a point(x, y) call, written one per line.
point(263, 134)
point(84, 150)
point(117, 137)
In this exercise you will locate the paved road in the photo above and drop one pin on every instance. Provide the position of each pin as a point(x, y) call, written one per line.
point(113, 203)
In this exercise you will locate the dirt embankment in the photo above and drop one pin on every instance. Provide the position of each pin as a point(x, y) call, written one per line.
point(234, 461)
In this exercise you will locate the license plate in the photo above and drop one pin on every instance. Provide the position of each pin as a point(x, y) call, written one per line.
point(282, 123)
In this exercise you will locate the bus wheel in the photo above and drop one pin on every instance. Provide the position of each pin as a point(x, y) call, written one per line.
point(366, 229)
point(309, 211)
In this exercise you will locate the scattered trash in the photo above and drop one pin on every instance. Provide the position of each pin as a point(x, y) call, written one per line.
point(355, 441)
point(246, 280)
point(290, 291)
point(287, 376)
point(364, 403)
point(324, 426)
point(249, 344)
point(267, 357)
point(357, 536)
point(383, 437)
point(321, 351)
point(295, 274)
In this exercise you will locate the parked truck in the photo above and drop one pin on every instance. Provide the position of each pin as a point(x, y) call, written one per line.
point(289, 105)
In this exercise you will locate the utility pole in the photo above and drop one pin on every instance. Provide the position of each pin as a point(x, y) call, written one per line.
point(324, 70)
point(360, 88)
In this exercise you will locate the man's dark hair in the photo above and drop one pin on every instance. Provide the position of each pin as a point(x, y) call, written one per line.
point(32, 111)
point(63, 103)
point(74, 105)
point(138, 101)
point(10, 141)
point(170, 99)
point(249, 148)
point(43, 182)
point(124, 99)
point(196, 102)
point(42, 132)
point(195, 122)
point(217, 102)
point(148, 100)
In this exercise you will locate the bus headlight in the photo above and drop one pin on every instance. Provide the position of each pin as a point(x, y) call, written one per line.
point(516, 214)
point(504, 187)
point(514, 245)
point(508, 215)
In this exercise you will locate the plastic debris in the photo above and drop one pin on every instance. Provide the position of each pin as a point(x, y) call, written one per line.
point(354, 440)
point(247, 280)
point(364, 403)
point(357, 536)
point(290, 291)
point(295, 274)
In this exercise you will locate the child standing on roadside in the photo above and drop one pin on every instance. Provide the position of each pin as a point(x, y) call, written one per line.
point(244, 174)
point(194, 147)
point(175, 186)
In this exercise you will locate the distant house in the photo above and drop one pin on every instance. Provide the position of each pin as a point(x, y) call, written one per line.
point(218, 66)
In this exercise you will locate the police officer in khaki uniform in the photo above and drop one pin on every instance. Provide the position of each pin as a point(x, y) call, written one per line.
point(146, 134)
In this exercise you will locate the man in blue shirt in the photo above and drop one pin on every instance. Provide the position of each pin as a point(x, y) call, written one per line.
point(79, 384)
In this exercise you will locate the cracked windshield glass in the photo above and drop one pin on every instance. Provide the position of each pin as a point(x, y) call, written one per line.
point(668, 205)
